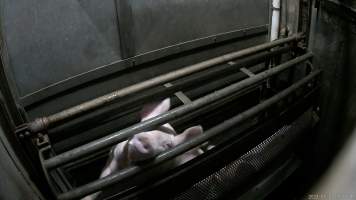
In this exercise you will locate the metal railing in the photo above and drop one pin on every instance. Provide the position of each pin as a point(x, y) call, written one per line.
point(41, 124)
point(119, 136)
point(114, 138)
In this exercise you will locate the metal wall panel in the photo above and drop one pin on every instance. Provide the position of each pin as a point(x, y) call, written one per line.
point(61, 48)
point(333, 43)
point(161, 23)
point(49, 41)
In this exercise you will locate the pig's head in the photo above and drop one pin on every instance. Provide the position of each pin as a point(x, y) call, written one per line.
point(147, 145)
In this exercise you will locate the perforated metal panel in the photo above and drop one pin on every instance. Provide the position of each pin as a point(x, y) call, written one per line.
point(234, 175)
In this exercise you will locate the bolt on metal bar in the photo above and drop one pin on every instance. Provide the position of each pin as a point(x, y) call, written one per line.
point(43, 123)
point(126, 173)
point(119, 136)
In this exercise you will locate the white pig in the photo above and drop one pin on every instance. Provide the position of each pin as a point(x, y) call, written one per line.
point(147, 145)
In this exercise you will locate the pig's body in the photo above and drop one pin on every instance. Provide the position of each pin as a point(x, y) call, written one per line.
point(147, 145)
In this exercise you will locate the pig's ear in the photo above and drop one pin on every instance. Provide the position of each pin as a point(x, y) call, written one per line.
point(154, 109)
point(188, 134)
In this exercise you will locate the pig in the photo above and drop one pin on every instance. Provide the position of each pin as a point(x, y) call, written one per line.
point(147, 145)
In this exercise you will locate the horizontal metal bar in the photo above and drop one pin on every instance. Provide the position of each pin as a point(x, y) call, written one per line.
point(120, 65)
point(123, 174)
point(166, 117)
point(43, 123)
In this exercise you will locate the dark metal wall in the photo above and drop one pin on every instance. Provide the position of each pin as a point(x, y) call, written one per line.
point(333, 42)
point(61, 53)
point(48, 42)
point(178, 21)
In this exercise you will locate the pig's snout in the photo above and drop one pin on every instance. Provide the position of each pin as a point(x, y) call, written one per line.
point(141, 143)
point(140, 148)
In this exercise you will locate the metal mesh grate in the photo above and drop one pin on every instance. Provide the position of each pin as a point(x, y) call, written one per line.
point(233, 175)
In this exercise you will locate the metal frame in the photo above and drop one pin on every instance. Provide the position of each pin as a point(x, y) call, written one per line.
point(41, 124)
point(166, 117)
point(121, 175)
point(107, 141)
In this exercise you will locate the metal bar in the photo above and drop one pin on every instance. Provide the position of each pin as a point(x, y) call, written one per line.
point(123, 174)
point(184, 98)
point(166, 117)
point(43, 123)
point(179, 94)
point(247, 72)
